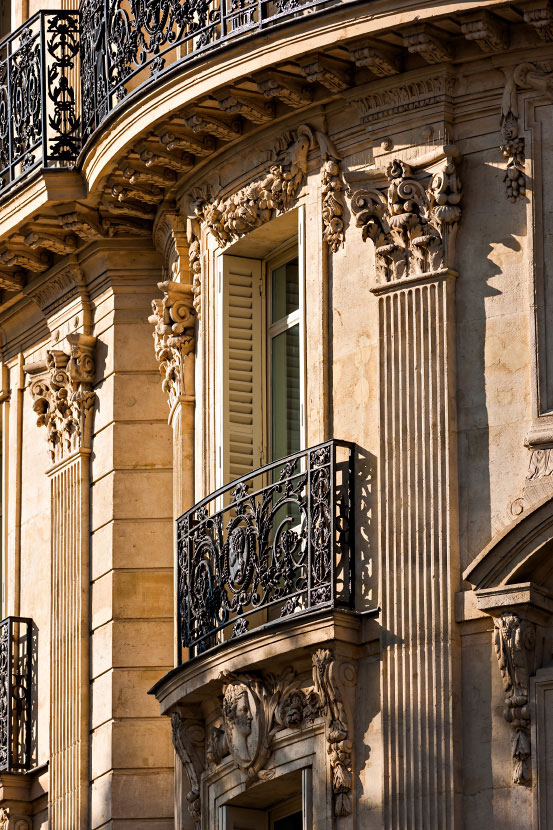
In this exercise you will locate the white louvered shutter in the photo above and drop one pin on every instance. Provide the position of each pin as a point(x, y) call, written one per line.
point(242, 367)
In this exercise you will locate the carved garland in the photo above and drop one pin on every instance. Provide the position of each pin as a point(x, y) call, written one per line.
point(413, 228)
point(275, 192)
point(63, 395)
point(524, 76)
point(514, 641)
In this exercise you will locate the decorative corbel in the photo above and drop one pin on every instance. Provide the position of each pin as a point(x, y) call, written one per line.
point(339, 736)
point(514, 641)
point(188, 736)
point(174, 319)
point(62, 391)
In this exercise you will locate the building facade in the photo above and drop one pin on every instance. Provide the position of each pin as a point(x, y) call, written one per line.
point(276, 415)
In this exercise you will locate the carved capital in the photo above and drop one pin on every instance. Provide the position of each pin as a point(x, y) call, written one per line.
point(61, 387)
point(412, 226)
point(339, 737)
point(514, 641)
point(188, 736)
point(174, 319)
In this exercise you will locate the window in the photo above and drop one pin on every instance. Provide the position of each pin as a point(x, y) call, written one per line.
point(260, 355)
point(282, 804)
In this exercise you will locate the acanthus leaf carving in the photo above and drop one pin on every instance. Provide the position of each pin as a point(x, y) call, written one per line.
point(188, 735)
point(514, 641)
point(339, 737)
point(413, 228)
point(332, 204)
point(63, 395)
point(174, 319)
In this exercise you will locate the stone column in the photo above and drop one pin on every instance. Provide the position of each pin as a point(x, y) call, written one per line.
point(63, 400)
point(412, 225)
point(174, 318)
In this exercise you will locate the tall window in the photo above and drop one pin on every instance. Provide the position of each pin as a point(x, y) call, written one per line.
point(284, 358)
point(260, 358)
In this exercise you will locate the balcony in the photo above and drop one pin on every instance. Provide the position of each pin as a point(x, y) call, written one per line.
point(270, 546)
point(64, 72)
point(15, 694)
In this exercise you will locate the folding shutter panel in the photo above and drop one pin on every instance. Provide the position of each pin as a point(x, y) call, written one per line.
point(242, 367)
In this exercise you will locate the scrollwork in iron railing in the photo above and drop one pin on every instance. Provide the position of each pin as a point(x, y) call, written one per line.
point(39, 121)
point(63, 48)
point(15, 693)
point(274, 543)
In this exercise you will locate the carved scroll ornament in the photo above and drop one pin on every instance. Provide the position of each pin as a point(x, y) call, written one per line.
point(189, 741)
point(514, 641)
point(63, 395)
point(338, 734)
point(174, 319)
point(524, 76)
point(413, 228)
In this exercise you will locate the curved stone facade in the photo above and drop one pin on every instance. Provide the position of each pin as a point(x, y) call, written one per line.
point(303, 248)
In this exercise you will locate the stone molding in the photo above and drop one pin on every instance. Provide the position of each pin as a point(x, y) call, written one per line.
point(412, 227)
point(514, 642)
point(60, 289)
point(523, 76)
point(11, 821)
point(61, 388)
point(174, 319)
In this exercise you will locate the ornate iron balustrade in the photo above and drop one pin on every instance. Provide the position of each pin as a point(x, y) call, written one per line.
point(126, 43)
point(15, 693)
point(271, 544)
point(39, 91)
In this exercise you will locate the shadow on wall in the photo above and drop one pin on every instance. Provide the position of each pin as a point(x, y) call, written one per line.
point(366, 531)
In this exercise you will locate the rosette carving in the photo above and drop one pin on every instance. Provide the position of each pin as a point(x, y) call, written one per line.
point(63, 395)
point(174, 319)
point(412, 227)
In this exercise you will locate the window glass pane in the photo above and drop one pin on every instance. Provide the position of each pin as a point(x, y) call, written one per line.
point(285, 290)
point(285, 392)
point(294, 822)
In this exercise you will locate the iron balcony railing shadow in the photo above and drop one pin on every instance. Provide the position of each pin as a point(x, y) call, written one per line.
point(16, 650)
point(275, 543)
point(39, 96)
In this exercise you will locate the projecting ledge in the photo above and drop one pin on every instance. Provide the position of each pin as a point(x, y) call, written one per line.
point(287, 643)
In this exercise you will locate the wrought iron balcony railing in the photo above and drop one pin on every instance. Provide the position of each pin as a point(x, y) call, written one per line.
point(274, 543)
point(63, 72)
point(39, 92)
point(16, 651)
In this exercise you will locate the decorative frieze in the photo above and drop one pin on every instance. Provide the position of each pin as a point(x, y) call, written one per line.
point(174, 319)
point(405, 97)
point(514, 641)
point(61, 388)
point(413, 227)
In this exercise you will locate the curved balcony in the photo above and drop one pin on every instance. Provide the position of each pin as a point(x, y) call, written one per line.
point(271, 545)
point(62, 73)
